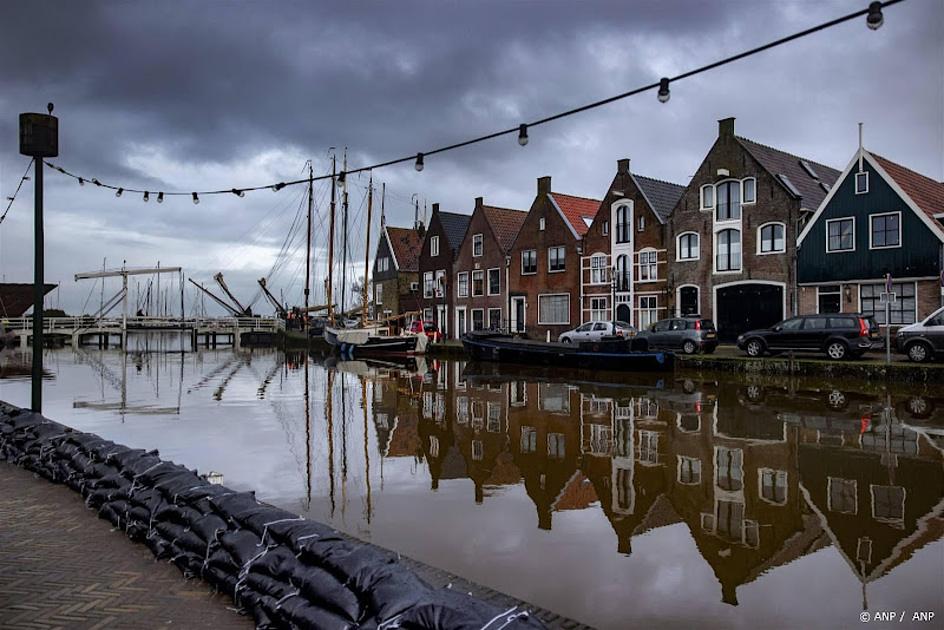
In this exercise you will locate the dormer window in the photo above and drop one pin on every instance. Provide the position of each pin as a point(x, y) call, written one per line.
point(862, 183)
point(707, 197)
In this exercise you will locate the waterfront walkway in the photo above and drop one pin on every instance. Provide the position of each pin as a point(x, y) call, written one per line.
point(62, 567)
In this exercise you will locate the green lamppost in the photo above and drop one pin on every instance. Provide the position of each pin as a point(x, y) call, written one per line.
point(39, 139)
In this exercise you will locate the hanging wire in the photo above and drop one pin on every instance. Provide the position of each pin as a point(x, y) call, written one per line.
point(419, 157)
point(11, 199)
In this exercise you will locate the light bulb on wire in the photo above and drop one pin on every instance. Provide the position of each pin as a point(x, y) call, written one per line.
point(875, 19)
point(119, 191)
point(419, 163)
point(522, 134)
point(160, 197)
point(147, 196)
point(196, 199)
point(664, 93)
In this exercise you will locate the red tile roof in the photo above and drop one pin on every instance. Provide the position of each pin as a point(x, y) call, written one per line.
point(924, 191)
point(578, 494)
point(406, 245)
point(505, 223)
point(575, 209)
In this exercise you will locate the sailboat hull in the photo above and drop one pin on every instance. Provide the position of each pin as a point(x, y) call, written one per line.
point(357, 342)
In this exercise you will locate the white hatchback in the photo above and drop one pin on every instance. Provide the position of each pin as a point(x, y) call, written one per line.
point(594, 331)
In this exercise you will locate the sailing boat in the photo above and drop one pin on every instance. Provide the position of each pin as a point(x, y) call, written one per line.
point(367, 338)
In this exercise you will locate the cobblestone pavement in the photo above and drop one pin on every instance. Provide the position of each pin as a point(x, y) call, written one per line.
point(62, 567)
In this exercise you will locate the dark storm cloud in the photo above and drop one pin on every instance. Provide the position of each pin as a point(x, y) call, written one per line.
point(195, 94)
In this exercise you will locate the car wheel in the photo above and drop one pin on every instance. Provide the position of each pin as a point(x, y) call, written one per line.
point(566, 340)
point(754, 348)
point(919, 352)
point(836, 350)
point(836, 400)
point(689, 347)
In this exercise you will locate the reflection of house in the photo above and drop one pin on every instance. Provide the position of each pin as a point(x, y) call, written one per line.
point(481, 428)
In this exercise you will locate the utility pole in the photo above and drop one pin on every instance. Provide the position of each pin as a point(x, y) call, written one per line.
point(311, 181)
point(39, 139)
point(330, 290)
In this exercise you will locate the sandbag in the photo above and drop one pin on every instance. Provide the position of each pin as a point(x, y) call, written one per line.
point(322, 588)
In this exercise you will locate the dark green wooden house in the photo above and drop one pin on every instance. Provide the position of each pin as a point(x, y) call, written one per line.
point(879, 218)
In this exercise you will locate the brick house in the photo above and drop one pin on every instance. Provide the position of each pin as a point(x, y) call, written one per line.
point(733, 233)
point(482, 267)
point(879, 218)
point(443, 237)
point(544, 268)
point(396, 271)
point(626, 243)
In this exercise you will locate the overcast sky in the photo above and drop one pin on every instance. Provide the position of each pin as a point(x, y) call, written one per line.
point(202, 95)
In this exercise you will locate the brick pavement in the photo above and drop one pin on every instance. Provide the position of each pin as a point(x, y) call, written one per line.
point(62, 567)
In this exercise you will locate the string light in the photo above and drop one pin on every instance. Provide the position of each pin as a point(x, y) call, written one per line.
point(196, 199)
point(96, 182)
point(119, 191)
point(81, 182)
point(664, 93)
point(874, 19)
point(522, 134)
point(160, 197)
point(24, 178)
point(147, 196)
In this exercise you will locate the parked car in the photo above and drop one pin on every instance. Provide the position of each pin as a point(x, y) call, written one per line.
point(924, 340)
point(428, 327)
point(839, 335)
point(688, 334)
point(594, 331)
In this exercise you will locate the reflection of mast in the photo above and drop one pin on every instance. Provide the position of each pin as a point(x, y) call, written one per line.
point(366, 449)
point(343, 444)
point(329, 408)
point(307, 434)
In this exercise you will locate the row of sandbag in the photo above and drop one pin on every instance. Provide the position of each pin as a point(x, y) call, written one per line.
point(285, 570)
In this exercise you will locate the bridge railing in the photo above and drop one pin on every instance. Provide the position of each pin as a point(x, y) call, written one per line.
point(86, 322)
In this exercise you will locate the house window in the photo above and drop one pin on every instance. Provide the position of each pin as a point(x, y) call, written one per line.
point(729, 201)
point(440, 284)
point(478, 282)
point(748, 190)
point(433, 446)
point(648, 311)
point(427, 314)
point(829, 299)
point(494, 281)
point(606, 228)
point(840, 235)
point(772, 238)
point(773, 485)
point(461, 328)
point(729, 519)
point(648, 265)
point(862, 183)
point(462, 284)
point(707, 197)
point(434, 246)
point(598, 309)
point(624, 276)
point(553, 397)
point(383, 264)
point(477, 245)
point(462, 410)
point(494, 417)
point(478, 450)
point(428, 284)
point(885, 230)
point(529, 261)
point(555, 445)
point(541, 224)
point(864, 550)
point(689, 470)
point(624, 226)
point(729, 250)
point(901, 311)
point(641, 223)
point(597, 269)
point(649, 447)
point(555, 258)
point(888, 504)
point(494, 318)
point(554, 309)
point(378, 294)
point(842, 496)
point(729, 474)
point(688, 246)
point(478, 319)
point(529, 439)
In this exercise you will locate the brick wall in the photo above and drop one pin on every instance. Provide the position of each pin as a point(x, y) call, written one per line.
point(492, 258)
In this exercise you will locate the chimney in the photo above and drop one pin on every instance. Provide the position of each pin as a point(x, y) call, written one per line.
point(479, 202)
point(726, 127)
point(622, 166)
point(435, 208)
point(544, 185)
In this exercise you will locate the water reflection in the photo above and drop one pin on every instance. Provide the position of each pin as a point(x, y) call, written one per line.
point(573, 494)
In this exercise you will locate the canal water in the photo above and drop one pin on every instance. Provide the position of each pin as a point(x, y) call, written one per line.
point(615, 500)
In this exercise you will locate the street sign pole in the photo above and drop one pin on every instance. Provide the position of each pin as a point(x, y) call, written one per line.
point(889, 296)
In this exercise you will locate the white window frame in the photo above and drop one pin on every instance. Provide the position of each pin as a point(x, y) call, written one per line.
point(740, 268)
point(428, 284)
point(606, 227)
point(701, 197)
point(434, 246)
point(481, 273)
point(776, 472)
point(729, 220)
point(641, 223)
point(819, 292)
point(439, 283)
point(462, 326)
point(488, 316)
point(648, 315)
point(678, 298)
point(841, 251)
point(459, 277)
point(829, 494)
point(541, 224)
point(885, 519)
point(678, 247)
point(856, 183)
point(760, 251)
point(599, 271)
point(885, 214)
point(595, 308)
point(678, 470)
point(472, 319)
point(743, 196)
point(561, 247)
point(544, 323)
point(478, 244)
point(529, 273)
point(652, 267)
point(488, 281)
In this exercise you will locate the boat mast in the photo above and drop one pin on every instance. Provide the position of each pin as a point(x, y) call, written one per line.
point(344, 243)
point(311, 182)
point(330, 290)
point(364, 292)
